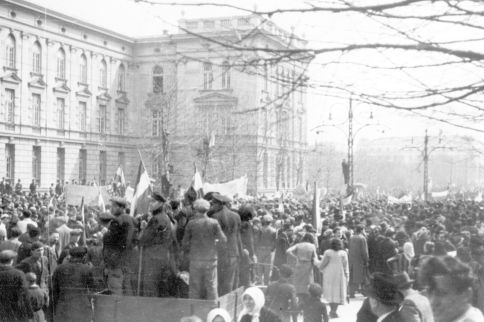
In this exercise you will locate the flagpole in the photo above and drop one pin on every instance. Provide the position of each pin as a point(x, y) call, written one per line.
point(84, 237)
point(140, 260)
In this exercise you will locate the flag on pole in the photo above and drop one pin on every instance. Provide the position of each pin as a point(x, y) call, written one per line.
point(142, 190)
point(316, 211)
point(100, 202)
point(347, 200)
point(197, 183)
point(119, 177)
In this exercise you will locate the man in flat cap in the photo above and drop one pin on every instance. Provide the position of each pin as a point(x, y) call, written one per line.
point(14, 302)
point(37, 263)
point(228, 253)
point(158, 264)
point(72, 282)
point(118, 244)
point(199, 241)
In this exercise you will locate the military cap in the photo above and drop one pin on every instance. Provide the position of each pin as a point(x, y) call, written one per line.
point(220, 198)
point(6, 255)
point(158, 197)
point(78, 251)
point(105, 216)
point(121, 202)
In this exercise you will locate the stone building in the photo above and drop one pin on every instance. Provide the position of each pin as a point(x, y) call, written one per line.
point(78, 100)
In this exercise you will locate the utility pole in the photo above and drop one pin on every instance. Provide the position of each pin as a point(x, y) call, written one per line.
point(350, 145)
point(426, 166)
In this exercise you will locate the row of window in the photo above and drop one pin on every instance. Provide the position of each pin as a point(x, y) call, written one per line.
point(286, 175)
point(103, 119)
point(10, 61)
point(60, 164)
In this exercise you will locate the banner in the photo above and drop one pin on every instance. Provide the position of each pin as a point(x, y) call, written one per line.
point(140, 202)
point(237, 187)
point(316, 211)
point(74, 194)
point(407, 199)
point(438, 195)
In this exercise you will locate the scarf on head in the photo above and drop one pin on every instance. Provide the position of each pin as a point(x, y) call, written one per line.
point(218, 312)
point(258, 296)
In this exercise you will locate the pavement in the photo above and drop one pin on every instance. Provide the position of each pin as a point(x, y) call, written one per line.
point(347, 312)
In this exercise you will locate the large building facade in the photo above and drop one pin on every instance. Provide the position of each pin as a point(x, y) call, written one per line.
point(78, 100)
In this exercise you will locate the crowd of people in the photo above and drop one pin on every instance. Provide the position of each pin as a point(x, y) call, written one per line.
point(418, 262)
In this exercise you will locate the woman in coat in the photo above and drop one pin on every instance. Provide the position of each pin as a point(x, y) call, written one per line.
point(305, 254)
point(334, 267)
point(254, 311)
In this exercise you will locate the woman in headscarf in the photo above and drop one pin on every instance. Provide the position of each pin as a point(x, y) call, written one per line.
point(218, 315)
point(254, 311)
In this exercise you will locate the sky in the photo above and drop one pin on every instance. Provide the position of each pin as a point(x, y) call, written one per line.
point(141, 19)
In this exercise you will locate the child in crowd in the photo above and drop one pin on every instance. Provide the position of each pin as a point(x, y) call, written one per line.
point(313, 309)
point(39, 299)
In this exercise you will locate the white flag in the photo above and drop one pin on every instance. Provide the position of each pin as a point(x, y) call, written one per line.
point(142, 191)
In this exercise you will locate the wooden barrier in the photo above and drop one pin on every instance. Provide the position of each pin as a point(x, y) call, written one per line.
point(134, 309)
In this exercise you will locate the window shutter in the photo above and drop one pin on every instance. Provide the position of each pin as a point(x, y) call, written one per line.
point(3, 106)
point(108, 118)
point(55, 115)
point(30, 111)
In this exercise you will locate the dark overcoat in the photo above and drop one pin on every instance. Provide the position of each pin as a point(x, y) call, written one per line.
point(14, 301)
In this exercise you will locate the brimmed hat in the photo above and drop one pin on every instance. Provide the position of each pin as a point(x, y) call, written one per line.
point(105, 216)
point(220, 198)
point(8, 254)
point(402, 280)
point(158, 197)
point(384, 288)
point(121, 202)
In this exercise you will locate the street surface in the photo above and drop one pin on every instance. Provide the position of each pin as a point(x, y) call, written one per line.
point(347, 312)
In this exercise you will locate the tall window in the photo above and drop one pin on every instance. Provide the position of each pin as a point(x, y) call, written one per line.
point(157, 79)
point(120, 121)
point(226, 75)
point(121, 160)
point(83, 115)
point(102, 167)
point(36, 109)
point(207, 76)
point(36, 162)
point(82, 166)
point(37, 58)
point(61, 64)
point(61, 113)
point(10, 105)
point(10, 52)
point(61, 158)
point(83, 69)
point(102, 119)
point(156, 125)
point(121, 78)
point(10, 161)
point(103, 74)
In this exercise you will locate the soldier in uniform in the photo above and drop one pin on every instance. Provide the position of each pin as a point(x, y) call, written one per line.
point(158, 263)
point(117, 243)
point(229, 252)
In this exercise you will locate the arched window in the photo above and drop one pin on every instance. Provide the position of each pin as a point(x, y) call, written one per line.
point(83, 69)
point(61, 64)
point(121, 77)
point(207, 76)
point(103, 74)
point(10, 52)
point(157, 79)
point(225, 75)
point(37, 58)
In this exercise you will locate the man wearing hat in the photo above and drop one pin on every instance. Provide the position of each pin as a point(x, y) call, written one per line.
point(75, 236)
point(14, 302)
point(158, 262)
point(37, 263)
point(384, 299)
point(118, 243)
point(71, 283)
point(415, 307)
point(228, 253)
point(266, 244)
